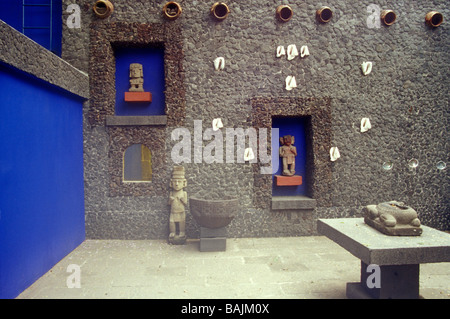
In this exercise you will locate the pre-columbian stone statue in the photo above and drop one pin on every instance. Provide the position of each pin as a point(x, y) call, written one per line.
point(177, 202)
point(288, 152)
point(393, 218)
point(136, 78)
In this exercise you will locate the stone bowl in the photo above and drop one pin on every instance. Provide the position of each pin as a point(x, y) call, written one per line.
point(213, 213)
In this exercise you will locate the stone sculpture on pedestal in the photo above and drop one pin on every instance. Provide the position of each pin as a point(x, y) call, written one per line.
point(393, 218)
point(177, 202)
point(136, 93)
point(136, 78)
point(288, 152)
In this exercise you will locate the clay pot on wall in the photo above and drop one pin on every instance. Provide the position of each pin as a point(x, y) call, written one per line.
point(284, 13)
point(103, 8)
point(324, 14)
point(220, 10)
point(434, 19)
point(172, 10)
point(388, 17)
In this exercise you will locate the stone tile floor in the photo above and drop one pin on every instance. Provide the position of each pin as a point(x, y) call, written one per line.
point(251, 268)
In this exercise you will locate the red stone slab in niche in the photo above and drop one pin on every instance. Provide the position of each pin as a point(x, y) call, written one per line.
point(138, 97)
point(288, 180)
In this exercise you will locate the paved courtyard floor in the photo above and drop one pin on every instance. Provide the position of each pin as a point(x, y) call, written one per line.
point(251, 268)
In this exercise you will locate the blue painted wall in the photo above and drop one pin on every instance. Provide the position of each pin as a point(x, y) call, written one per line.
point(36, 14)
point(295, 126)
point(41, 178)
point(152, 60)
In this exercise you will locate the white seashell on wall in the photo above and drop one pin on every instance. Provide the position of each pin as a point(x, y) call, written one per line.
point(248, 154)
point(304, 51)
point(292, 51)
point(334, 153)
point(366, 67)
point(219, 63)
point(217, 124)
point(290, 82)
point(280, 51)
point(365, 124)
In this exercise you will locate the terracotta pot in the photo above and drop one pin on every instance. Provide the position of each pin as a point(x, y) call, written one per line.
point(388, 17)
point(103, 8)
point(324, 14)
point(284, 13)
point(172, 10)
point(434, 19)
point(220, 10)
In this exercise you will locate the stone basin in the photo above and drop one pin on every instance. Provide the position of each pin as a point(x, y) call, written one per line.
point(213, 213)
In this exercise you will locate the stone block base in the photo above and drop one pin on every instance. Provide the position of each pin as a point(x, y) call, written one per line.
point(213, 244)
point(213, 239)
point(395, 282)
point(288, 180)
point(213, 232)
point(138, 97)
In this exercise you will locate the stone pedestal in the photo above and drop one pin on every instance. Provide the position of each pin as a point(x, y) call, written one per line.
point(138, 97)
point(398, 258)
point(213, 239)
point(396, 282)
point(295, 180)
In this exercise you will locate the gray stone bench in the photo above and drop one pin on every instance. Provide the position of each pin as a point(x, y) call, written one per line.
point(398, 257)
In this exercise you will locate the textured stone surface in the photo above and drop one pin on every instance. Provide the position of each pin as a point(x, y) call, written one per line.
point(373, 247)
point(20, 52)
point(318, 138)
point(213, 213)
point(213, 244)
point(307, 267)
point(405, 97)
point(293, 202)
point(106, 37)
point(213, 232)
point(396, 282)
point(154, 120)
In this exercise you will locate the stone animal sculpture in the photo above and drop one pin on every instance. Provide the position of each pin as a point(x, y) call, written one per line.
point(393, 218)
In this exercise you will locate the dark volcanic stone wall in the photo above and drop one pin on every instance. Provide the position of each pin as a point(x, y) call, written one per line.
point(405, 97)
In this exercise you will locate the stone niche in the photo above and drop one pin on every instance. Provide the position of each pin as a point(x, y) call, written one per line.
point(105, 39)
point(318, 138)
point(148, 130)
point(121, 138)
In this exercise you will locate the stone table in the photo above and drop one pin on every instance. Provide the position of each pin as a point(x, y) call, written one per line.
point(397, 258)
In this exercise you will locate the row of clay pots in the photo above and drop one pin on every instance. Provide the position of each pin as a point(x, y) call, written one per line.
point(219, 10)
point(171, 10)
point(324, 15)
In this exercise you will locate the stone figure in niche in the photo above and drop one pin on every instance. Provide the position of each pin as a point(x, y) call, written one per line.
point(393, 218)
point(136, 78)
point(177, 202)
point(288, 152)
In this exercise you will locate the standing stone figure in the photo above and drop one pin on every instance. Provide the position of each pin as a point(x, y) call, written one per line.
point(136, 78)
point(288, 152)
point(177, 202)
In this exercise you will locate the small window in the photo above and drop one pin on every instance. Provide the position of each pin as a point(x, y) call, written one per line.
point(137, 164)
